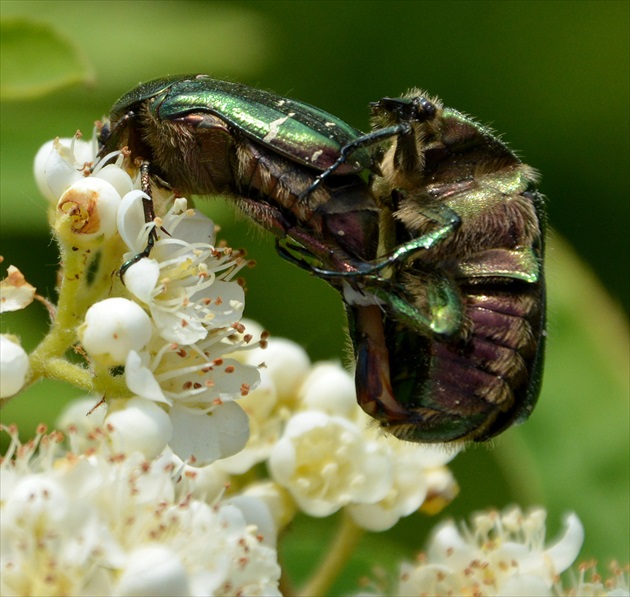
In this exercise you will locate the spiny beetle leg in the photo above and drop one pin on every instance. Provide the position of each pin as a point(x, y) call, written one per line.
point(441, 312)
point(449, 221)
point(364, 141)
point(149, 216)
point(288, 252)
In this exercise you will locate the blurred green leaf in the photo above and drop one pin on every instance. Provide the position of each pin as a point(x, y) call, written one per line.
point(574, 452)
point(37, 60)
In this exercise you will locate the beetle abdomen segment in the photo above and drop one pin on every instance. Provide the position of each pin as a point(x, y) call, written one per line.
point(471, 388)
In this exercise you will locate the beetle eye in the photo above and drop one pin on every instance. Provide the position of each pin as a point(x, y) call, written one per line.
point(427, 109)
point(104, 133)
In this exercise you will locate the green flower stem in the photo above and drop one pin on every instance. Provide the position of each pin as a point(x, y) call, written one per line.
point(62, 334)
point(76, 295)
point(74, 299)
point(107, 274)
point(338, 554)
point(63, 370)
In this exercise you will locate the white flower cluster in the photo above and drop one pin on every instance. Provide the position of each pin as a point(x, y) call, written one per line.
point(174, 320)
point(326, 453)
point(98, 523)
point(501, 554)
point(322, 452)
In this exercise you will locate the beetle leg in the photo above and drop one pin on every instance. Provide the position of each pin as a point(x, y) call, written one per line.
point(288, 252)
point(372, 377)
point(264, 214)
point(149, 216)
point(366, 140)
point(448, 222)
point(108, 136)
point(272, 219)
point(147, 204)
point(419, 110)
point(423, 300)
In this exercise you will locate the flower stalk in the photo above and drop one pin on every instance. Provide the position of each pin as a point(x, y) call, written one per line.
point(337, 555)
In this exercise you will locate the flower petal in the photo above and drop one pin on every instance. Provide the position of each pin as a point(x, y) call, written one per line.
point(204, 438)
point(194, 228)
point(131, 223)
point(141, 381)
point(141, 278)
point(566, 549)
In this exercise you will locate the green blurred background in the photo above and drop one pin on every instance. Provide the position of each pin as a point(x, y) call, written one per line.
point(551, 77)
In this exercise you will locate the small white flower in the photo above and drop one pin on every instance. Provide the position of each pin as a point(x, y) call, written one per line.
point(287, 365)
point(80, 419)
point(174, 352)
point(416, 475)
point(196, 375)
point(87, 212)
point(326, 463)
point(412, 465)
point(279, 503)
point(60, 163)
point(266, 423)
point(186, 281)
point(590, 583)
point(153, 570)
point(330, 389)
point(205, 483)
point(197, 386)
point(141, 425)
point(114, 327)
point(257, 513)
point(269, 406)
point(14, 366)
point(114, 175)
point(500, 554)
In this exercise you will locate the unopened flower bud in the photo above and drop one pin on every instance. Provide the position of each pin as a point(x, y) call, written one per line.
point(13, 366)
point(115, 176)
point(141, 426)
point(113, 328)
point(86, 212)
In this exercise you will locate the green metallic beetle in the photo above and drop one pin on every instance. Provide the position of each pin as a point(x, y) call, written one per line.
point(459, 355)
point(203, 136)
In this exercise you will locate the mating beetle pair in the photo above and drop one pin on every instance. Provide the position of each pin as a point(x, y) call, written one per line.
point(438, 255)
